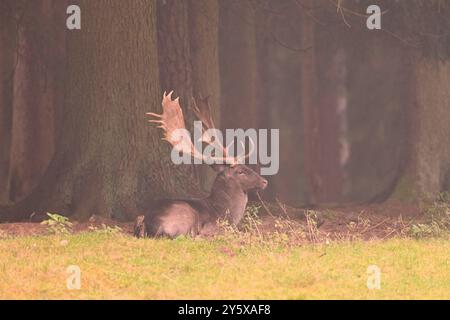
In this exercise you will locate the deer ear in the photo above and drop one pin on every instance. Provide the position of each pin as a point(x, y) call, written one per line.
point(219, 167)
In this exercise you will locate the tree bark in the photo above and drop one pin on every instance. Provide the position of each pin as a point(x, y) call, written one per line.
point(188, 59)
point(204, 45)
point(238, 64)
point(8, 39)
point(108, 160)
point(331, 105)
point(174, 50)
point(279, 65)
point(427, 162)
point(37, 91)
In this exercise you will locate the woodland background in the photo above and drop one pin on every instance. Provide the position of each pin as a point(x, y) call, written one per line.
point(363, 114)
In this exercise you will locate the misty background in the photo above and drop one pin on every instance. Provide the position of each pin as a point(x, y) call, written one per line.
point(363, 114)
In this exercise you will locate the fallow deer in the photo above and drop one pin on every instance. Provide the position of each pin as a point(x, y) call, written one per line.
point(229, 195)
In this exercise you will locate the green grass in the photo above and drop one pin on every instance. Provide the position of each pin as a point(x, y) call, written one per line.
point(114, 266)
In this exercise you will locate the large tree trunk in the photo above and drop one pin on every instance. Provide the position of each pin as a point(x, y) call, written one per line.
point(331, 104)
point(204, 44)
point(8, 39)
point(238, 64)
point(279, 67)
point(377, 106)
point(109, 161)
point(188, 59)
point(427, 167)
point(38, 90)
point(240, 68)
point(175, 66)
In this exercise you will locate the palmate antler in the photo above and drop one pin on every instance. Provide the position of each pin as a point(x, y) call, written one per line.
point(171, 120)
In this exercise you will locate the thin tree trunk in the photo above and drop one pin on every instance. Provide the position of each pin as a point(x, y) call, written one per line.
point(309, 108)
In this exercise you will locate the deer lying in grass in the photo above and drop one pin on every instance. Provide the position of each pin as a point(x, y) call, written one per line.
point(228, 197)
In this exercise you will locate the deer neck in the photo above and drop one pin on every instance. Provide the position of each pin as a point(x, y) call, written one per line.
point(227, 199)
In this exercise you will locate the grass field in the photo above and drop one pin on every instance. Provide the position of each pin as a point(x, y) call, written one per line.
point(114, 265)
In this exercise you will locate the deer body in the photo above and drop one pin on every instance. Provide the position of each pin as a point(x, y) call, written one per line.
point(228, 197)
point(228, 200)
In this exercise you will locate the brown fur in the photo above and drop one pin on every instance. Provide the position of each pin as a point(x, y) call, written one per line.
point(228, 199)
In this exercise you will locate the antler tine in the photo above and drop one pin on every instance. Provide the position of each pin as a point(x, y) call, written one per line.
point(203, 112)
point(227, 148)
point(168, 96)
point(154, 114)
point(171, 120)
point(252, 149)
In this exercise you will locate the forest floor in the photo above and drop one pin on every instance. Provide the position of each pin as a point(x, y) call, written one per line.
point(280, 253)
point(369, 222)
